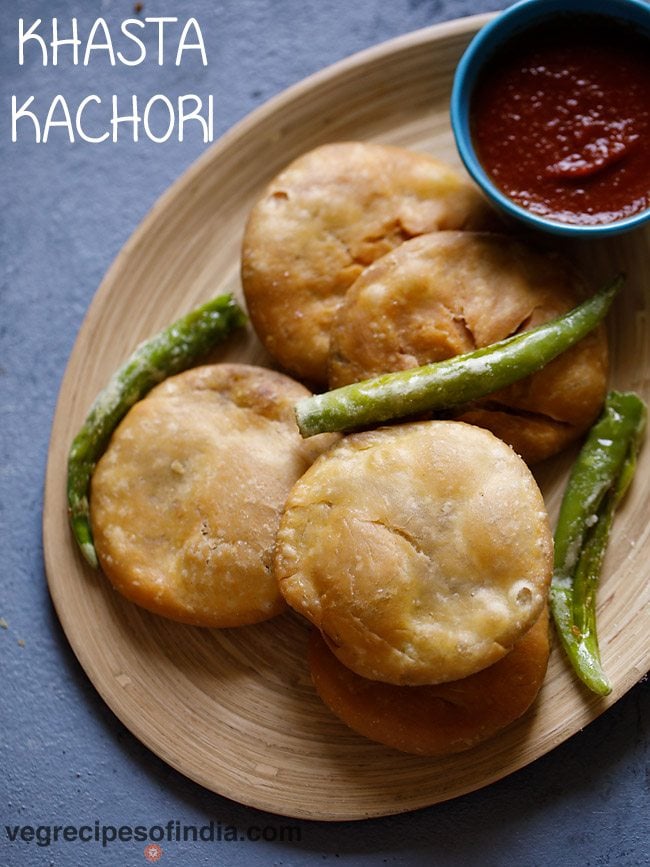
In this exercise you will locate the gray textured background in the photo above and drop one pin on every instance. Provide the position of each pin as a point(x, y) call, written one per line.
point(66, 212)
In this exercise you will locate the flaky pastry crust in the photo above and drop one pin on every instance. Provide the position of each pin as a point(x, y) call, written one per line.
point(186, 501)
point(322, 220)
point(446, 293)
point(421, 551)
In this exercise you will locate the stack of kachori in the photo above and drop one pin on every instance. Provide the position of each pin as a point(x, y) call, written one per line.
point(420, 552)
point(331, 213)
point(361, 259)
point(423, 555)
point(446, 293)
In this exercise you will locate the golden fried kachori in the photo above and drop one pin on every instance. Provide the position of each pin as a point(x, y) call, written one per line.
point(421, 551)
point(322, 220)
point(186, 500)
point(440, 719)
point(446, 293)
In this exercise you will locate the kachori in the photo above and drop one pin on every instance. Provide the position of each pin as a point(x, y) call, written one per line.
point(326, 217)
point(186, 500)
point(441, 719)
point(446, 293)
point(421, 551)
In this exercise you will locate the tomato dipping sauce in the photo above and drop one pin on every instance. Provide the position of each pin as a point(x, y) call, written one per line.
point(560, 121)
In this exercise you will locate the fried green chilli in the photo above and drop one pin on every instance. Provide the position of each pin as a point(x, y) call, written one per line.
point(458, 380)
point(170, 351)
point(600, 476)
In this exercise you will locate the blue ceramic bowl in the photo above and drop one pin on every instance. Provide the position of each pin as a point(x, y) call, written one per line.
point(517, 19)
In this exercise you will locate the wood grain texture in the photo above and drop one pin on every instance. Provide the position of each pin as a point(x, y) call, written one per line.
point(234, 710)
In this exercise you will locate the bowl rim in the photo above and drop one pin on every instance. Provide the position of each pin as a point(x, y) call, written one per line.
point(521, 16)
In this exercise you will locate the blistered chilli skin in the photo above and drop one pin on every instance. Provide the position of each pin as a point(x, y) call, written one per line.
point(326, 217)
point(448, 293)
point(186, 501)
point(599, 479)
point(421, 551)
point(454, 382)
point(435, 720)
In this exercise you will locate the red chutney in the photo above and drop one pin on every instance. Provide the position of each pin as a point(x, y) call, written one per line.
point(561, 122)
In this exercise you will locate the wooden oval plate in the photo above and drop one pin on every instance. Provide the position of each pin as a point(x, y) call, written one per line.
point(234, 710)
